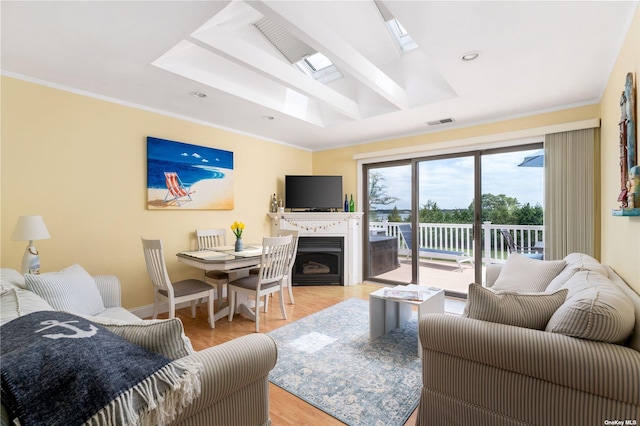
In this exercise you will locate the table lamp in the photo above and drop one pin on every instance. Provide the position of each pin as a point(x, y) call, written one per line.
point(30, 228)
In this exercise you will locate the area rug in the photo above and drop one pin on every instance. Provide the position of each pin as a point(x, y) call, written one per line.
point(327, 360)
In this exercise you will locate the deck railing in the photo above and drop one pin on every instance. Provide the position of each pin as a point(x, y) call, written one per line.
point(459, 237)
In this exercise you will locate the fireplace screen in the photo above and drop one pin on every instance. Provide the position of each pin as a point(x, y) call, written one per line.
point(319, 261)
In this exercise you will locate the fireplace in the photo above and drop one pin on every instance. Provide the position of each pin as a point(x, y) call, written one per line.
point(345, 226)
point(319, 261)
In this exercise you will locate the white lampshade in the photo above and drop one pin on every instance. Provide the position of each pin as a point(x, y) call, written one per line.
point(30, 228)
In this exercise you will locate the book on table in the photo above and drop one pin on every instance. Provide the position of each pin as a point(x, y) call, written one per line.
point(412, 295)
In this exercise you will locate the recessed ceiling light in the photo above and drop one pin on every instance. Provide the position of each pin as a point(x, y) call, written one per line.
point(267, 117)
point(198, 95)
point(470, 56)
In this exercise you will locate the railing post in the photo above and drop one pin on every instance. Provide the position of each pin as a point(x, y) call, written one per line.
point(486, 228)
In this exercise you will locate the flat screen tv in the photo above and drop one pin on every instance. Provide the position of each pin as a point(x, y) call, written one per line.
point(313, 193)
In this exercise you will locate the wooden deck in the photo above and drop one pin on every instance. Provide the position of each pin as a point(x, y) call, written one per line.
point(435, 273)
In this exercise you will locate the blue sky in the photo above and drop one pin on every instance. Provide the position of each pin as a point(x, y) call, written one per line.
point(449, 182)
point(161, 149)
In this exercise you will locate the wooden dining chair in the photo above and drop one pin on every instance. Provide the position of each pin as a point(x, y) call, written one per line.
point(189, 290)
point(288, 278)
point(211, 238)
point(270, 278)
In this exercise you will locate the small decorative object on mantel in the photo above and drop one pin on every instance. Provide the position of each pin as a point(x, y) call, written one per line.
point(237, 229)
point(629, 197)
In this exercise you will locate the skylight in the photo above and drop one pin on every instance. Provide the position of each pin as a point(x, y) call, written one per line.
point(318, 67)
point(400, 35)
point(297, 52)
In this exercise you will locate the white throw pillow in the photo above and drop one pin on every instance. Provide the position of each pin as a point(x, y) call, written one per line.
point(521, 273)
point(528, 310)
point(72, 290)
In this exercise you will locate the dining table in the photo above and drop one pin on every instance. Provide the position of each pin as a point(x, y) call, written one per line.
point(236, 264)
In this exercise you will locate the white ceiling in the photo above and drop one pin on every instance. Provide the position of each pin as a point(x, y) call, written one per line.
point(535, 57)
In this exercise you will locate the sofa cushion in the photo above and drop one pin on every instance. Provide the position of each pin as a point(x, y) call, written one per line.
point(10, 278)
point(15, 303)
point(521, 273)
point(595, 309)
point(72, 290)
point(576, 262)
point(119, 314)
point(528, 310)
point(164, 336)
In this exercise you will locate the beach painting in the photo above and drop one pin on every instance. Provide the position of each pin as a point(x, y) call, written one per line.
point(182, 176)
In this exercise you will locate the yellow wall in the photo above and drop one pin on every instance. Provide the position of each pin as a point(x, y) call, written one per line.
point(81, 164)
point(620, 235)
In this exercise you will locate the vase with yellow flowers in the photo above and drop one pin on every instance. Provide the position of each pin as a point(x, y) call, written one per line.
point(237, 229)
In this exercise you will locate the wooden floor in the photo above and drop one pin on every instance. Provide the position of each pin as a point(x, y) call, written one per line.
point(285, 409)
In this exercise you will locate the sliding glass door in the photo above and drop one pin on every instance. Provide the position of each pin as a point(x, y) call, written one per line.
point(423, 224)
point(388, 200)
point(444, 232)
point(512, 203)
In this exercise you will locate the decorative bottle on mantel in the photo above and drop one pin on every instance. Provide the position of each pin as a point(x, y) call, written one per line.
point(346, 203)
point(274, 204)
point(352, 205)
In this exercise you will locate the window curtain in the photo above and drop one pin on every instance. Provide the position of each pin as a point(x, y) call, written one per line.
point(571, 173)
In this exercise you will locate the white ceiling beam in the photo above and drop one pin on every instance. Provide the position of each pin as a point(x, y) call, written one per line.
point(246, 54)
point(327, 42)
point(196, 63)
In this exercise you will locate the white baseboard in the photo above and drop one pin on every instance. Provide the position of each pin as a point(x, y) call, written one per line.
point(146, 311)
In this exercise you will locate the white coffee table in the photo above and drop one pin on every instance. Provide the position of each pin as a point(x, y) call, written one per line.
point(386, 314)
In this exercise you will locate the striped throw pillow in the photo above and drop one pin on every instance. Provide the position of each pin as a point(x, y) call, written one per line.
point(162, 336)
point(595, 310)
point(528, 310)
point(15, 303)
point(72, 290)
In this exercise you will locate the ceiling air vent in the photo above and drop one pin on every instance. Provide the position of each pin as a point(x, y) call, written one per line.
point(442, 121)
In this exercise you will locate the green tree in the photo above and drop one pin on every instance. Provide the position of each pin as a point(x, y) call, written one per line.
point(394, 216)
point(499, 209)
point(378, 195)
point(527, 215)
point(431, 213)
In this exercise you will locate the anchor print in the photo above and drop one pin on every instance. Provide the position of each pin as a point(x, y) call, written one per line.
point(79, 333)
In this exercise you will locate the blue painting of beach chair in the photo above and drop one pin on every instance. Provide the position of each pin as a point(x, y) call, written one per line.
point(458, 256)
point(176, 189)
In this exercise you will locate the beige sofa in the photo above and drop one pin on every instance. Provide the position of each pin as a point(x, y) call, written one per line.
point(234, 380)
point(477, 372)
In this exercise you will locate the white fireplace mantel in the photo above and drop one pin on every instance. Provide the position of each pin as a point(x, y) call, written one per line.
point(346, 225)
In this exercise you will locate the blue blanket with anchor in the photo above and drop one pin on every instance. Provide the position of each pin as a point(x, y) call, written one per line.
point(61, 369)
